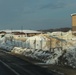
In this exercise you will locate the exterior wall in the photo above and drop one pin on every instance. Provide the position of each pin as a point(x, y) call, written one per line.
point(73, 28)
point(74, 20)
point(74, 24)
point(74, 34)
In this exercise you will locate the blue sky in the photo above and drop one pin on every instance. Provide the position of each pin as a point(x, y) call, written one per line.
point(36, 14)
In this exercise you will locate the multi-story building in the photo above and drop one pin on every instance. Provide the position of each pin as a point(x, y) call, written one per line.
point(73, 23)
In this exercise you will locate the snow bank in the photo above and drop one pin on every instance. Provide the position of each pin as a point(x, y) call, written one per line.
point(53, 59)
point(50, 57)
point(38, 47)
point(45, 56)
point(8, 42)
point(44, 42)
point(70, 56)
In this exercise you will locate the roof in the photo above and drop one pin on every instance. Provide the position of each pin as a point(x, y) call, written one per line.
point(25, 31)
point(73, 14)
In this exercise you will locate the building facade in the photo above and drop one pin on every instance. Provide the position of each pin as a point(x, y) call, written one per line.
point(73, 23)
point(19, 33)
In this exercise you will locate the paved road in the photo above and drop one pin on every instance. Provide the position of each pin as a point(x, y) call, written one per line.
point(5, 71)
point(17, 66)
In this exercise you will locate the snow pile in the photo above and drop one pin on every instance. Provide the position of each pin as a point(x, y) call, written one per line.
point(37, 42)
point(57, 33)
point(23, 38)
point(37, 47)
point(67, 35)
point(8, 42)
point(70, 56)
point(53, 58)
point(45, 56)
point(18, 50)
point(44, 42)
point(44, 47)
point(63, 35)
point(37, 54)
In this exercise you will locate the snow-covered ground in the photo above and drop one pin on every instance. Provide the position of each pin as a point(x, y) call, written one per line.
point(46, 47)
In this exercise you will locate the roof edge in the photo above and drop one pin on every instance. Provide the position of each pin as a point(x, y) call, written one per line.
point(73, 14)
